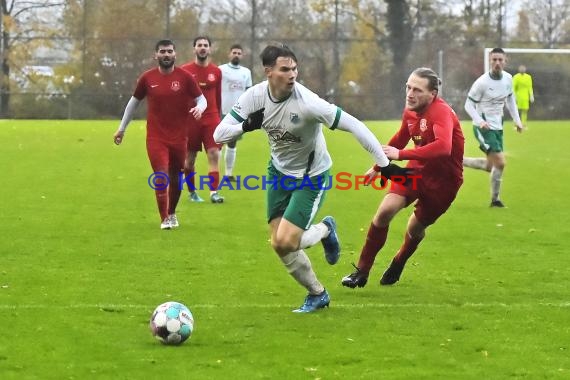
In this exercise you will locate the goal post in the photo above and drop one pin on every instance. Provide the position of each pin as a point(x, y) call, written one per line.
point(524, 51)
point(550, 70)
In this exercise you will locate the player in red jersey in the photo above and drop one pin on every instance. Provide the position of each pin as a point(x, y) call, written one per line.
point(436, 159)
point(173, 98)
point(209, 78)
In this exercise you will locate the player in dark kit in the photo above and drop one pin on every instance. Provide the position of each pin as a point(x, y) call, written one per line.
point(171, 93)
point(436, 159)
point(201, 133)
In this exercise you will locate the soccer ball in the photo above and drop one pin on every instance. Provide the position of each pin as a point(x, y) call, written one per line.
point(172, 323)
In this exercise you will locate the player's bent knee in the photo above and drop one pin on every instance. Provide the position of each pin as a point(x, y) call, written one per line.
point(283, 245)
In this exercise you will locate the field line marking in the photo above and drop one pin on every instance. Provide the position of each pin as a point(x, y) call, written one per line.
point(472, 305)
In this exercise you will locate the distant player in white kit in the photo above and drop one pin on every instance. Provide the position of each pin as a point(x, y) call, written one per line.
point(292, 116)
point(235, 80)
point(485, 102)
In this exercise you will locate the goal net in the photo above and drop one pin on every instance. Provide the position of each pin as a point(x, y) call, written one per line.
point(550, 71)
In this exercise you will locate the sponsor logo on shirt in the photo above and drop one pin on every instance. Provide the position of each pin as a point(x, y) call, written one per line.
point(294, 118)
point(235, 85)
point(279, 133)
point(285, 136)
point(175, 85)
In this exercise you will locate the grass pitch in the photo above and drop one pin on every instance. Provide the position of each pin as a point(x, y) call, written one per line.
point(83, 263)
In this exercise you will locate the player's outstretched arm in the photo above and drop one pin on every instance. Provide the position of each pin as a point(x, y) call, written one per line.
point(389, 172)
point(369, 141)
point(127, 117)
point(232, 126)
point(365, 137)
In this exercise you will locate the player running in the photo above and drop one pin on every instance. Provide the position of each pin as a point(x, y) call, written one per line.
point(436, 159)
point(292, 116)
point(485, 102)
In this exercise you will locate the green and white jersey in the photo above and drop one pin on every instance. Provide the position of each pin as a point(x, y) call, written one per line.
point(235, 80)
point(490, 96)
point(293, 126)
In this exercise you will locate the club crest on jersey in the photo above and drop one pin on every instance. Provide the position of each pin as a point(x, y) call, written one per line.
point(423, 125)
point(211, 77)
point(175, 85)
point(294, 118)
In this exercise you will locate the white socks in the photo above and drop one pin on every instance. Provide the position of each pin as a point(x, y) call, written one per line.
point(475, 163)
point(299, 266)
point(314, 235)
point(496, 179)
point(230, 159)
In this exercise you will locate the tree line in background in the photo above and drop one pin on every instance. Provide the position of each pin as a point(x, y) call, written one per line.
point(357, 54)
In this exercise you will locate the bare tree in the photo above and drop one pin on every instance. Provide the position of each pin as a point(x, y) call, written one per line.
point(548, 17)
point(22, 22)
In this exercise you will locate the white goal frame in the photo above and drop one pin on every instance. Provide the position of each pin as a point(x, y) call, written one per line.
point(516, 50)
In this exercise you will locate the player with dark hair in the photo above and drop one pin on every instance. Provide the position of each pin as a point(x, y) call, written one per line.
point(436, 159)
point(292, 116)
point(209, 78)
point(235, 80)
point(173, 99)
point(485, 103)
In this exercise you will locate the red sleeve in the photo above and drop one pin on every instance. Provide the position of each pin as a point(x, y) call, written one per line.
point(140, 90)
point(401, 138)
point(440, 146)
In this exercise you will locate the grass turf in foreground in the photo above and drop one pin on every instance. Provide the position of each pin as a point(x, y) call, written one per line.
point(84, 263)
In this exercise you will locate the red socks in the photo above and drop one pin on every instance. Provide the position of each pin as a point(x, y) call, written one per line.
point(162, 202)
point(407, 249)
point(375, 240)
point(216, 182)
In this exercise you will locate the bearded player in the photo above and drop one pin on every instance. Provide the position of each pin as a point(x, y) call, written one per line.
point(173, 99)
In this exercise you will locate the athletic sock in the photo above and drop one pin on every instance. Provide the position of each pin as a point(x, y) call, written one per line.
point(475, 163)
point(162, 202)
point(216, 181)
point(174, 191)
point(299, 266)
point(496, 179)
point(375, 240)
point(230, 159)
point(314, 235)
point(407, 249)
point(190, 182)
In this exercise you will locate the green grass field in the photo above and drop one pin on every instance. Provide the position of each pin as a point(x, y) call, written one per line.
point(83, 263)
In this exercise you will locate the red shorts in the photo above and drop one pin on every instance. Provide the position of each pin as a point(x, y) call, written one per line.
point(431, 203)
point(201, 132)
point(166, 157)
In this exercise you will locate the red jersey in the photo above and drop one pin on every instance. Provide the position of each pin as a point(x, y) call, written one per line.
point(438, 144)
point(209, 79)
point(170, 98)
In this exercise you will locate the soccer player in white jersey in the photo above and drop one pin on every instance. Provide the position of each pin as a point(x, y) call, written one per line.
point(292, 116)
point(235, 80)
point(485, 102)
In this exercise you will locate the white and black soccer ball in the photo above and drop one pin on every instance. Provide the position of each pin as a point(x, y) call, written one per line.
point(172, 323)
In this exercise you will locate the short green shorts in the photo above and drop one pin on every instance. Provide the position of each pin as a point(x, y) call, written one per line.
point(297, 200)
point(490, 140)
